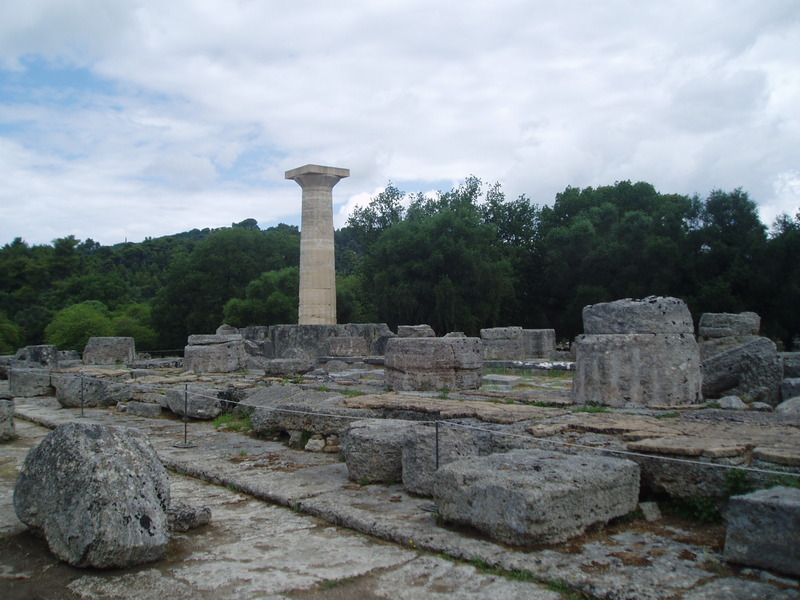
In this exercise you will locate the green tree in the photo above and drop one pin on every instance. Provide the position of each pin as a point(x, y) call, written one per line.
point(782, 273)
point(10, 335)
point(270, 299)
point(72, 327)
point(135, 321)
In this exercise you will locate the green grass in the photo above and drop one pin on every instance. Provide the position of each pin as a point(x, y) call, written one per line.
point(592, 408)
point(668, 415)
point(332, 583)
point(350, 393)
point(233, 422)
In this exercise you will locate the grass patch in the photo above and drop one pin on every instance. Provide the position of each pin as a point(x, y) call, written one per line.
point(233, 422)
point(694, 508)
point(332, 583)
point(787, 480)
point(668, 415)
point(592, 408)
point(350, 393)
point(445, 392)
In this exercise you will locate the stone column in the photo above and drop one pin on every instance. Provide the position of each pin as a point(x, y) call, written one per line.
point(317, 267)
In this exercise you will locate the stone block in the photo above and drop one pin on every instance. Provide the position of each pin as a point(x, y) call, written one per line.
point(109, 351)
point(144, 409)
point(283, 367)
point(638, 369)
point(210, 339)
point(539, 343)
point(347, 346)
point(714, 346)
point(7, 430)
point(415, 331)
point(419, 453)
point(225, 357)
point(432, 364)
point(791, 364)
point(503, 343)
point(654, 314)
point(753, 371)
point(534, 497)
point(720, 325)
point(98, 494)
point(373, 450)
point(197, 402)
point(44, 355)
point(27, 383)
point(764, 530)
point(790, 407)
point(74, 390)
point(790, 388)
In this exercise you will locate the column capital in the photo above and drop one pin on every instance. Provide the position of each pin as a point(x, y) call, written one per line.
point(336, 172)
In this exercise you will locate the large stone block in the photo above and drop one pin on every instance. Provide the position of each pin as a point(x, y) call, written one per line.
point(764, 530)
point(790, 388)
point(433, 363)
point(753, 371)
point(415, 331)
point(309, 341)
point(539, 343)
point(419, 453)
point(533, 497)
point(654, 314)
point(44, 355)
point(109, 351)
point(225, 357)
point(347, 346)
point(791, 364)
point(503, 343)
point(194, 401)
point(98, 494)
point(720, 325)
point(373, 450)
point(7, 430)
point(74, 390)
point(638, 369)
point(27, 383)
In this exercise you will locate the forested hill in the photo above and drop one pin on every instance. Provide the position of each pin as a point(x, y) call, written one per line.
point(465, 259)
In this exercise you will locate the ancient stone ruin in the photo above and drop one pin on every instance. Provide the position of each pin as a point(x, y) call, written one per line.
point(637, 352)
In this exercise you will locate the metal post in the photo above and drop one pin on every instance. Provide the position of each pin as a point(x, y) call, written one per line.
point(437, 440)
point(82, 416)
point(185, 443)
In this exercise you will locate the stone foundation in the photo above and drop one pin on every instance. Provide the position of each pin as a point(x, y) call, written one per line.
point(433, 364)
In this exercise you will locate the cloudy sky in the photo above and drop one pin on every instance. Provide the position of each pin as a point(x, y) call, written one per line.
point(121, 119)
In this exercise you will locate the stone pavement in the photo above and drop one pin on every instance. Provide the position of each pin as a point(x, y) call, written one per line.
point(256, 550)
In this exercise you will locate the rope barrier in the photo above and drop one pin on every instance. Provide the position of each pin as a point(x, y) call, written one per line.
point(539, 441)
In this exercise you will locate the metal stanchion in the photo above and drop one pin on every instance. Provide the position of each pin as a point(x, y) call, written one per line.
point(437, 440)
point(82, 416)
point(185, 443)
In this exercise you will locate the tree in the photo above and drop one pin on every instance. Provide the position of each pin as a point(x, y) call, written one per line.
point(10, 335)
point(135, 321)
point(782, 275)
point(72, 327)
point(270, 299)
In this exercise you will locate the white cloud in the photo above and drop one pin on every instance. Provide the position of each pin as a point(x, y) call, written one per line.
point(190, 112)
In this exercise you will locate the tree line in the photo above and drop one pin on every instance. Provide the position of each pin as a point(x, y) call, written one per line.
point(459, 260)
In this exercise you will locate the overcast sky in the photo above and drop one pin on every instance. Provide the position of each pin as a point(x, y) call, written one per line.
point(121, 119)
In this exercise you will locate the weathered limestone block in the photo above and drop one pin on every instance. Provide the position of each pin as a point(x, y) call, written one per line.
point(791, 364)
point(283, 367)
point(143, 409)
point(98, 494)
point(764, 530)
point(27, 383)
point(419, 453)
point(433, 363)
point(790, 407)
point(109, 351)
point(347, 346)
point(539, 343)
point(753, 371)
point(224, 356)
point(641, 369)
point(196, 402)
point(654, 314)
point(415, 331)
point(7, 430)
point(309, 341)
point(790, 388)
point(373, 450)
point(720, 325)
point(183, 517)
point(503, 343)
point(45, 355)
point(534, 497)
point(95, 391)
point(292, 408)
